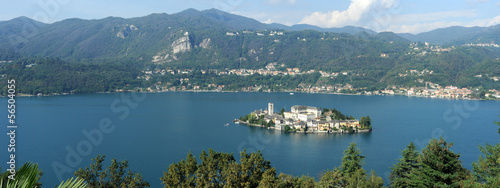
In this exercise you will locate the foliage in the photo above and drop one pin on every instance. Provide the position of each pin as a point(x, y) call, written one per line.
point(487, 169)
point(352, 160)
point(498, 123)
point(337, 115)
point(366, 122)
point(116, 175)
point(48, 76)
point(351, 172)
point(439, 166)
point(27, 175)
point(73, 183)
point(219, 170)
point(400, 172)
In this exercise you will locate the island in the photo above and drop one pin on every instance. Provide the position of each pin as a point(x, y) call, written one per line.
point(306, 119)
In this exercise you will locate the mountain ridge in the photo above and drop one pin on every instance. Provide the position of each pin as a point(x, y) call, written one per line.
point(442, 36)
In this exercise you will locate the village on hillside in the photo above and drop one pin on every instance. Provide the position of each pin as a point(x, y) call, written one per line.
point(306, 119)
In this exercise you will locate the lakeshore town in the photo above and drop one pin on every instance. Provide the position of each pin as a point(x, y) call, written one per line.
point(431, 90)
point(305, 119)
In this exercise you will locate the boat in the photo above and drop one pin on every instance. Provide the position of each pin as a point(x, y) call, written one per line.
point(227, 124)
point(291, 93)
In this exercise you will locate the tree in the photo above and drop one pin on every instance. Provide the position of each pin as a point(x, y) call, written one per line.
point(27, 175)
point(487, 168)
point(352, 160)
point(332, 178)
point(218, 169)
point(374, 180)
point(400, 173)
point(439, 166)
point(269, 179)
point(498, 123)
point(367, 122)
point(181, 174)
point(306, 182)
point(116, 175)
point(286, 181)
point(282, 112)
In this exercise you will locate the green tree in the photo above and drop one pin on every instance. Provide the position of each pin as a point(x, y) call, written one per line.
point(181, 174)
point(352, 160)
point(27, 175)
point(400, 172)
point(116, 175)
point(332, 178)
point(498, 123)
point(287, 181)
point(439, 166)
point(374, 180)
point(218, 169)
point(487, 169)
point(282, 112)
point(306, 182)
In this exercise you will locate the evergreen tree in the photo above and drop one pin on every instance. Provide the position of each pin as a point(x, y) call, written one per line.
point(375, 181)
point(498, 123)
point(287, 181)
point(487, 168)
point(332, 178)
point(218, 169)
point(269, 179)
point(116, 175)
point(352, 160)
point(400, 174)
point(440, 167)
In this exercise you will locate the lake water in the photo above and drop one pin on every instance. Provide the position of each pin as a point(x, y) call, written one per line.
point(153, 130)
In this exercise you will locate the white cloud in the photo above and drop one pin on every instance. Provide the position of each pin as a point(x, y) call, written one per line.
point(276, 2)
point(477, 1)
point(359, 13)
point(283, 17)
point(494, 21)
point(433, 16)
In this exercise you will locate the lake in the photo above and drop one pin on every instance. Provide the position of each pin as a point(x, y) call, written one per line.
point(153, 130)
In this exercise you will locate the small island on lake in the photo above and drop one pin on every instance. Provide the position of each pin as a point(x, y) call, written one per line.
point(306, 119)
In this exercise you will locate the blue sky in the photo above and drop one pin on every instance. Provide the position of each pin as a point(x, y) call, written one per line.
point(380, 15)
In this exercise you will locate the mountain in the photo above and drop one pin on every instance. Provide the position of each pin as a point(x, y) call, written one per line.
point(209, 35)
point(299, 27)
point(213, 39)
point(456, 35)
point(18, 30)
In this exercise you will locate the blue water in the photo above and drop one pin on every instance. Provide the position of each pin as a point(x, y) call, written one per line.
point(161, 128)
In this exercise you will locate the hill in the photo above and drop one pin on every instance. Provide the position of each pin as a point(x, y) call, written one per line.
point(215, 40)
point(457, 35)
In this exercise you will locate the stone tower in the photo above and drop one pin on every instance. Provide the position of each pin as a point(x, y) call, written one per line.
point(270, 108)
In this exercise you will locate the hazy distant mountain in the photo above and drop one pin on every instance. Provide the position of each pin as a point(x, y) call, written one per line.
point(457, 35)
point(298, 27)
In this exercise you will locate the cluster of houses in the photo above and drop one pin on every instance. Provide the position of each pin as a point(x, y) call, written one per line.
point(306, 119)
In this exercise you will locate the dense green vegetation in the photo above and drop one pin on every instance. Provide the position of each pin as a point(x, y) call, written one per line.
point(47, 76)
point(110, 53)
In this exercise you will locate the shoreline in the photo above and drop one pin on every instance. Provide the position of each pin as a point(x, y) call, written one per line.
point(239, 122)
point(219, 91)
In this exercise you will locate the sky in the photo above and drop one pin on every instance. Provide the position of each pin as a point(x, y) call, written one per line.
point(399, 16)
